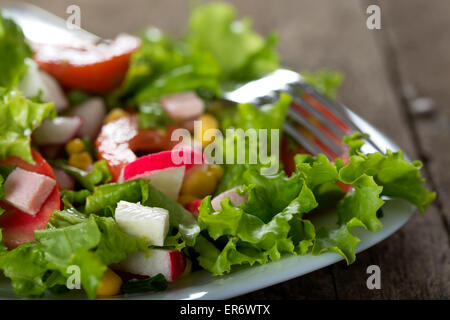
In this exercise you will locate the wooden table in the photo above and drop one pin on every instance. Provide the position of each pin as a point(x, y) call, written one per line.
point(381, 67)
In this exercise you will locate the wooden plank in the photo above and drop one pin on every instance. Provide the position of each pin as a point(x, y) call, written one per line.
point(317, 285)
point(418, 34)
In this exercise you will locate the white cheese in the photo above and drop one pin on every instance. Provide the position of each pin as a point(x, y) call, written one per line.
point(141, 221)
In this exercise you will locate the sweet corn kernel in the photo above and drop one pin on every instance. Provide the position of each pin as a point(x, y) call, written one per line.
point(216, 170)
point(199, 184)
point(208, 122)
point(80, 160)
point(75, 146)
point(115, 114)
point(184, 199)
point(110, 284)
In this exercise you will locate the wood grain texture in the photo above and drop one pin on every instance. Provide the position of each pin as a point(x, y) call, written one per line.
point(412, 48)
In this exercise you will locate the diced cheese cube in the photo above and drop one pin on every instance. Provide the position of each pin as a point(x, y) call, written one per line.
point(141, 221)
point(27, 191)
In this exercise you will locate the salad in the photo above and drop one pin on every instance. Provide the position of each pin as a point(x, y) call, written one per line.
point(92, 197)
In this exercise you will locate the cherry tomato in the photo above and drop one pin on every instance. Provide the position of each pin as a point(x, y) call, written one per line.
point(94, 68)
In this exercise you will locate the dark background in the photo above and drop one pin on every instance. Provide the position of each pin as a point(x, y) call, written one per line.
point(411, 53)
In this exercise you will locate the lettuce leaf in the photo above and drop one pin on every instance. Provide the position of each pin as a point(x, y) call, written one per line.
point(18, 118)
point(216, 51)
point(92, 245)
point(339, 240)
point(271, 222)
point(398, 177)
point(99, 174)
point(325, 81)
point(242, 54)
point(152, 115)
point(250, 239)
point(164, 66)
point(269, 117)
point(13, 52)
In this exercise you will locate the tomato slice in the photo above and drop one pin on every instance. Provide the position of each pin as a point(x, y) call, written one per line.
point(18, 227)
point(95, 68)
point(119, 139)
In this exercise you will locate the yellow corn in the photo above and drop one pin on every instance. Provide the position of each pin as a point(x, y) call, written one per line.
point(75, 146)
point(216, 170)
point(110, 284)
point(199, 184)
point(184, 199)
point(115, 114)
point(208, 122)
point(80, 160)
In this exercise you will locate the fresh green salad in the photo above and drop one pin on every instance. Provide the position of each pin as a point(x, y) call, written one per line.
point(116, 175)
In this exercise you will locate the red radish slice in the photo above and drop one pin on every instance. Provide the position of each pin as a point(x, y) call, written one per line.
point(18, 227)
point(119, 139)
point(63, 180)
point(36, 82)
point(186, 157)
point(53, 92)
point(235, 198)
point(57, 131)
point(165, 170)
point(92, 112)
point(170, 263)
point(183, 106)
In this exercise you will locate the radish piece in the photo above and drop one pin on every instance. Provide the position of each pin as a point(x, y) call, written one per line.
point(193, 206)
point(183, 106)
point(57, 131)
point(92, 112)
point(165, 170)
point(170, 263)
point(37, 82)
point(63, 180)
point(27, 190)
point(141, 221)
point(235, 198)
point(53, 92)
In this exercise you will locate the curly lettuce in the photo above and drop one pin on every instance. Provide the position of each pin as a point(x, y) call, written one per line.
point(13, 52)
point(272, 222)
point(91, 245)
point(241, 53)
point(18, 118)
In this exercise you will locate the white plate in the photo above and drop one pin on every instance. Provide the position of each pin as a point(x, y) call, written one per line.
point(202, 285)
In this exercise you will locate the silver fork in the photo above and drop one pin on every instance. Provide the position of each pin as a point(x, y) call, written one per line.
point(326, 121)
point(326, 132)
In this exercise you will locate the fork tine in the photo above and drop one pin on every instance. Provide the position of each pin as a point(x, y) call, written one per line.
point(301, 139)
point(316, 131)
point(327, 103)
point(335, 108)
point(336, 130)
